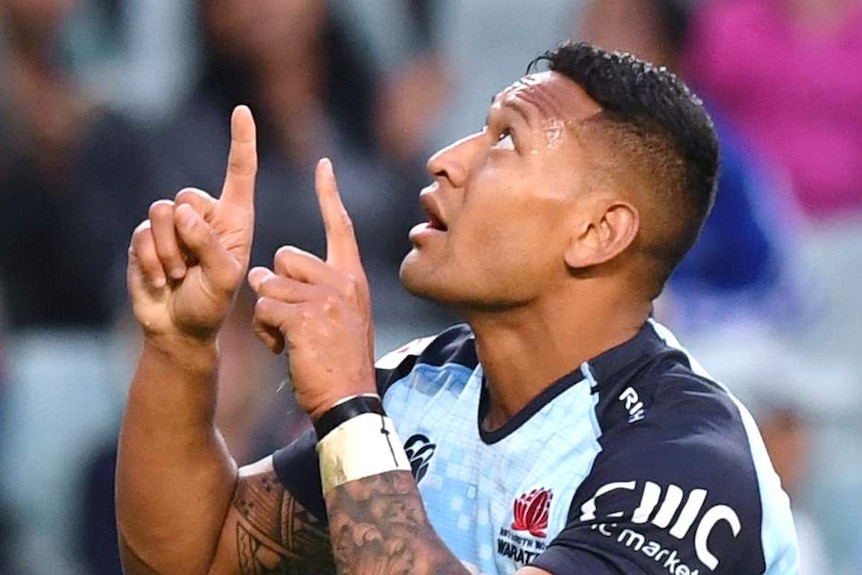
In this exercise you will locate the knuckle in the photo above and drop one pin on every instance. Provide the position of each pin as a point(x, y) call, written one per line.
point(160, 208)
point(169, 251)
point(142, 247)
point(270, 313)
point(351, 283)
point(142, 229)
point(354, 287)
point(149, 264)
point(346, 222)
point(232, 277)
point(269, 286)
point(242, 163)
point(308, 316)
point(265, 285)
point(144, 225)
point(199, 234)
point(330, 303)
point(262, 310)
point(285, 254)
point(190, 195)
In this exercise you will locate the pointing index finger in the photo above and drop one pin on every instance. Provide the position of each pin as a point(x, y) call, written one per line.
point(239, 179)
point(341, 248)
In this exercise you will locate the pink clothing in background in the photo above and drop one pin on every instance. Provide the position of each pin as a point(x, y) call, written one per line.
point(795, 92)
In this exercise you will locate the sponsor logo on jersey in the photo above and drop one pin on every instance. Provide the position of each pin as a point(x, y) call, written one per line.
point(664, 556)
point(632, 404)
point(671, 510)
point(419, 450)
point(522, 541)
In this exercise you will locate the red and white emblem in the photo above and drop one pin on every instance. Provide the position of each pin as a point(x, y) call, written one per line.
point(531, 512)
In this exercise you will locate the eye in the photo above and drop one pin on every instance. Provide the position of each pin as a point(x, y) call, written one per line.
point(505, 141)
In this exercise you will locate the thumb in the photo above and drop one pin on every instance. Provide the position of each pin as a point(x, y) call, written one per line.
point(222, 271)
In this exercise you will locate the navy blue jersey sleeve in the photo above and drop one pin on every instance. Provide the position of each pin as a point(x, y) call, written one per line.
point(298, 470)
point(680, 498)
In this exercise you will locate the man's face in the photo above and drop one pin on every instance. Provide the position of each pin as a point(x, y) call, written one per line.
point(504, 201)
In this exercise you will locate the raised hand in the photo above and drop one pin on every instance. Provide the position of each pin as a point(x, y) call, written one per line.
point(188, 259)
point(320, 311)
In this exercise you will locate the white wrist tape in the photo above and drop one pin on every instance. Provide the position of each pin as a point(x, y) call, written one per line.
point(362, 446)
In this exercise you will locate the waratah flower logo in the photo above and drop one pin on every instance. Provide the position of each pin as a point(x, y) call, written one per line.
point(531, 512)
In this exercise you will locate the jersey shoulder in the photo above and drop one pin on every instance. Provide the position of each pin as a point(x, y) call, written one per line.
point(452, 348)
point(682, 483)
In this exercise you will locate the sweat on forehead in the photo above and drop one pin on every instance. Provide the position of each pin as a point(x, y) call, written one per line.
point(548, 94)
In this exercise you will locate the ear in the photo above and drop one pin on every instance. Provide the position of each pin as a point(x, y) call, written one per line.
point(603, 237)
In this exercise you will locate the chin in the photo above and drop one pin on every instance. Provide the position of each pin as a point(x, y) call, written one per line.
point(422, 278)
point(413, 277)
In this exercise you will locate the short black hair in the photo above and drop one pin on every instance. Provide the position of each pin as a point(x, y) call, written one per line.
point(665, 124)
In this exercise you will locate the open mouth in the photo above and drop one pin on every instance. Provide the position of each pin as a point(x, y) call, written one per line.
point(436, 223)
point(430, 207)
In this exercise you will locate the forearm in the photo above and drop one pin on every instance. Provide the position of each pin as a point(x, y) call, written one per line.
point(268, 531)
point(378, 525)
point(175, 478)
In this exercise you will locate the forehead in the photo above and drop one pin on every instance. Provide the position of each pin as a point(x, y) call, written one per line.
point(550, 96)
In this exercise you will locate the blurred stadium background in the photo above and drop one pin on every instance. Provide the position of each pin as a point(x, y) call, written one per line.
point(107, 105)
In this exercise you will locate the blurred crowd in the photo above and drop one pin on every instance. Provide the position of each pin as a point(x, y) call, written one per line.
point(108, 105)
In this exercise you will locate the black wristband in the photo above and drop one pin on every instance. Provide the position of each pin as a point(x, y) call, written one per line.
point(345, 410)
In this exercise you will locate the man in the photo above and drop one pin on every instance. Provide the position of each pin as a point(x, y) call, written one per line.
point(562, 432)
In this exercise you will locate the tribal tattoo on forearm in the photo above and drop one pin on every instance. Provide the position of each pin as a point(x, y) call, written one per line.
point(276, 535)
point(378, 526)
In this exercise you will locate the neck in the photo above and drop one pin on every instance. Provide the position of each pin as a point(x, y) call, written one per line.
point(525, 350)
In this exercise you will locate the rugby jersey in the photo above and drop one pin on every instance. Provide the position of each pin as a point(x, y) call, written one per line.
point(637, 462)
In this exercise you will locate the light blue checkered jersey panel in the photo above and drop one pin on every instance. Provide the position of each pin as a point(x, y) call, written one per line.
point(471, 488)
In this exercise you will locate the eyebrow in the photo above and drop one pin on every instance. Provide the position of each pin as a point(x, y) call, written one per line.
point(517, 105)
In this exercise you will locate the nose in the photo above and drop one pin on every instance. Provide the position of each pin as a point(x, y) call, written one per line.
point(453, 162)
